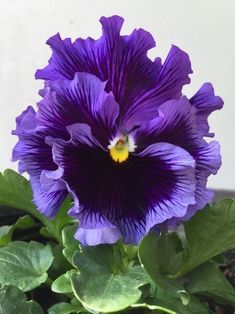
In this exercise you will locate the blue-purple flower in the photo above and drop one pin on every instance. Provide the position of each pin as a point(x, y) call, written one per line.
point(115, 132)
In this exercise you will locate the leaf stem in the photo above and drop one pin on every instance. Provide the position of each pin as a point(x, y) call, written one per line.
point(49, 281)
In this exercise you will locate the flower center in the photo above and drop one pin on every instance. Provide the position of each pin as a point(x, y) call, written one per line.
point(120, 147)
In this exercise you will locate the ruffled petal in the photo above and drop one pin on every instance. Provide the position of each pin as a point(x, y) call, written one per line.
point(104, 97)
point(48, 193)
point(81, 135)
point(79, 158)
point(162, 175)
point(64, 62)
point(176, 124)
point(208, 157)
point(173, 76)
point(94, 229)
point(205, 102)
point(120, 60)
point(31, 150)
point(35, 156)
point(92, 237)
point(174, 177)
point(139, 85)
point(208, 162)
point(132, 230)
point(25, 123)
point(81, 100)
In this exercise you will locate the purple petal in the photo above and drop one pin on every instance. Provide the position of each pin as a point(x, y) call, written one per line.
point(105, 235)
point(125, 193)
point(94, 229)
point(132, 230)
point(64, 62)
point(81, 133)
point(35, 156)
point(120, 60)
point(139, 85)
point(205, 102)
point(80, 151)
point(31, 148)
point(209, 158)
point(48, 194)
point(176, 124)
point(96, 91)
point(82, 100)
point(25, 122)
point(173, 76)
point(208, 162)
point(177, 172)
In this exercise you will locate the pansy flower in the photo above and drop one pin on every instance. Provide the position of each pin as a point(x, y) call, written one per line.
point(114, 131)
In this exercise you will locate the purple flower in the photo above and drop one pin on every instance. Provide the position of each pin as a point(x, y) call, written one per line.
point(114, 130)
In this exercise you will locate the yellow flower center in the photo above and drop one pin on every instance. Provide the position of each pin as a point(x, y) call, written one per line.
point(120, 151)
point(120, 147)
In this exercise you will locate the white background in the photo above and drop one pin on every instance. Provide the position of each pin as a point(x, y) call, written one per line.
point(203, 28)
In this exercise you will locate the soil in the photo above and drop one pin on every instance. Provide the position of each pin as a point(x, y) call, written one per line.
point(229, 272)
point(229, 267)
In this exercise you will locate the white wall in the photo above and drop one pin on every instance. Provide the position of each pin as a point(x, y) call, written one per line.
point(203, 28)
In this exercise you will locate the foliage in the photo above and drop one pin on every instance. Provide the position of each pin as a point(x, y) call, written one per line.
point(176, 272)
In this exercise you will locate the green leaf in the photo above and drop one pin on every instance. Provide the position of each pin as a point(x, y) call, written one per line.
point(15, 191)
point(153, 307)
point(103, 285)
point(130, 251)
point(170, 259)
point(169, 293)
point(24, 264)
point(209, 233)
point(167, 303)
point(65, 308)
point(75, 302)
point(13, 300)
point(63, 283)
point(184, 296)
point(61, 219)
point(60, 264)
point(208, 280)
point(5, 235)
point(71, 245)
point(7, 231)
